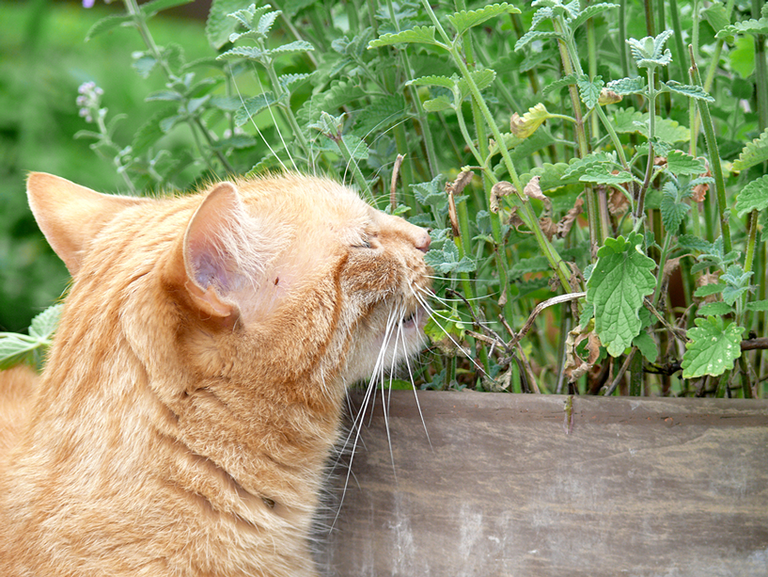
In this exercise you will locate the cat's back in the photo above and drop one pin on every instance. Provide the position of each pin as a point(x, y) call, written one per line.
point(17, 387)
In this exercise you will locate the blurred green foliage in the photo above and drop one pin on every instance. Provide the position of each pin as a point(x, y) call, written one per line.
point(44, 60)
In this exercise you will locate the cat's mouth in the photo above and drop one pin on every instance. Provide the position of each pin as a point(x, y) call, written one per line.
point(413, 319)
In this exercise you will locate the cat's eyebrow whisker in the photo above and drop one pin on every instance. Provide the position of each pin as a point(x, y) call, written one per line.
point(426, 306)
point(258, 131)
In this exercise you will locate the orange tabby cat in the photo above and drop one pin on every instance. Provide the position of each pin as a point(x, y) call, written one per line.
point(195, 386)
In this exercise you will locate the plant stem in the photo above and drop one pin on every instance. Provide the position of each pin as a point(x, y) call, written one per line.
point(714, 159)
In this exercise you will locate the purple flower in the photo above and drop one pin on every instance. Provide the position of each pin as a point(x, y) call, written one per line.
point(88, 3)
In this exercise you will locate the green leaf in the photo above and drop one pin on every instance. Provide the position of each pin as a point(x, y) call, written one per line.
point(680, 163)
point(647, 346)
point(753, 27)
point(713, 347)
point(219, 26)
point(253, 106)
point(438, 104)
point(754, 196)
point(295, 46)
point(107, 24)
point(356, 146)
point(416, 35)
point(249, 52)
point(758, 306)
point(649, 51)
point(444, 81)
point(45, 324)
point(15, 349)
point(482, 78)
point(532, 35)
point(589, 90)
point(754, 153)
point(599, 175)
point(529, 265)
point(626, 86)
point(463, 20)
point(591, 12)
point(737, 283)
point(617, 286)
point(154, 6)
point(673, 210)
point(717, 16)
point(717, 308)
point(266, 21)
point(691, 91)
point(690, 242)
point(708, 290)
point(559, 84)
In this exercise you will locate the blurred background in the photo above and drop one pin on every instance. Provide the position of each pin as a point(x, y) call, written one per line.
point(44, 58)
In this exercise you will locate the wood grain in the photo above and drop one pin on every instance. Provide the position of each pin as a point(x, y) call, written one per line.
point(639, 487)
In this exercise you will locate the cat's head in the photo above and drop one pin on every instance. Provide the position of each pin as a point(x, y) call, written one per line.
point(283, 277)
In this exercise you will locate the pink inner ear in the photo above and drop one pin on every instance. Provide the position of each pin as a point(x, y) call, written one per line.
point(210, 245)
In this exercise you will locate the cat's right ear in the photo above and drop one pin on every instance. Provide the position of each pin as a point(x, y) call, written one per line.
point(222, 255)
point(70, 215)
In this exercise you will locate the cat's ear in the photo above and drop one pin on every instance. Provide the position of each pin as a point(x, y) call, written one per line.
point(220, 253)
point(70, 215)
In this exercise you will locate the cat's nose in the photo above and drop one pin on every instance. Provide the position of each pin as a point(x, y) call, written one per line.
point(422, 240)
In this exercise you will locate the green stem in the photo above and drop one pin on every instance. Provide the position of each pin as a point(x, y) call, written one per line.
point(526, 214)
point(714, 159)
point(640, 207)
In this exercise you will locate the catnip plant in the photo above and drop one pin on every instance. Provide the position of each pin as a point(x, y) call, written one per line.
point(596, 208)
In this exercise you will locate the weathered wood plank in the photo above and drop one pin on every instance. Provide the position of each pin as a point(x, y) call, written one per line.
point(672, 487)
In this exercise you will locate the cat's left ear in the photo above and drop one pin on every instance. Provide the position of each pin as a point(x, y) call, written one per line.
point(221, 253)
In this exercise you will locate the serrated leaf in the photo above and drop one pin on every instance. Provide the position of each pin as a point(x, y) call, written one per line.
point(437, 104)
point(15, 349)
point(219, 26)
point(416, 35)
point(599, 175)
point(589, 90)
point(754, 153)
point(150, 132)
point(464, 20)
point(717, 16)
point(647, 346)
point(295, 46)
point(381, 114)
point(649, 51)
point(591, 12)
point(443, 81)
point(559, 84)
point(532, 35)
point(288, 80)
point(524, 126)
point(253, 106)
point(754, 196)
point(758, 306)
point(708, 290)
point(691, 91)
point(249, 52)
point(617, 286)
point(717, 308)
point(752, 26)
point(690, 242)
point(680, 163)
point(626, 86)
point(713, 347)
point(45, 324)
point(155, 6)
point(266, 21)
point(107, 24)
point(672, 209)
point(529, 265)
point(144, 65)
point(356, 146)
point(482, 78)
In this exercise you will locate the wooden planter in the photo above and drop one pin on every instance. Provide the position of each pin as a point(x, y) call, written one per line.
point(636, 487)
